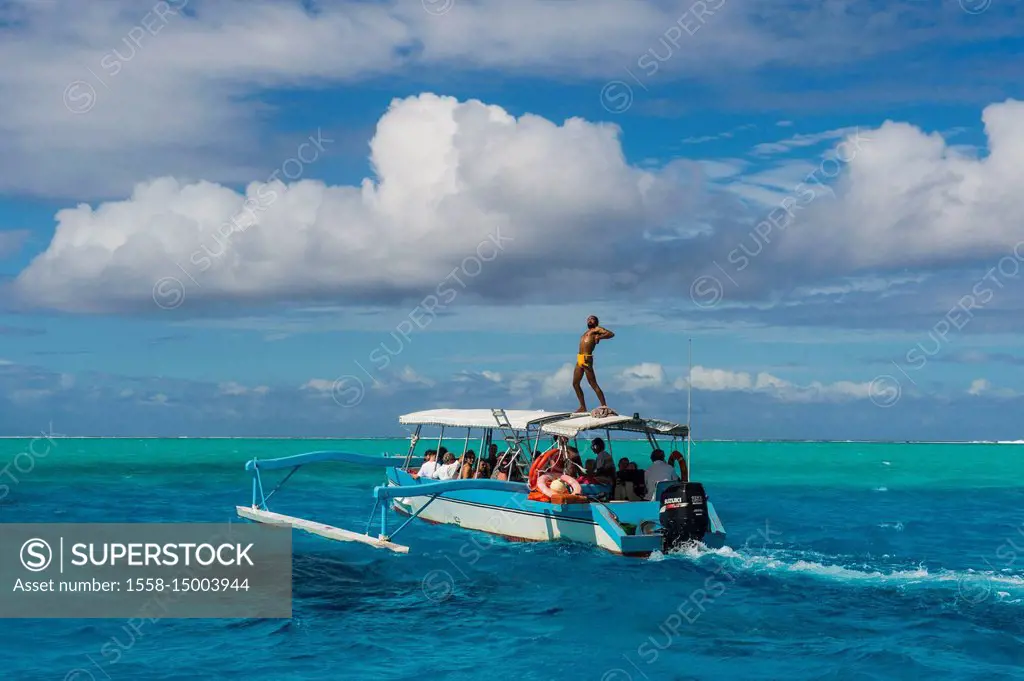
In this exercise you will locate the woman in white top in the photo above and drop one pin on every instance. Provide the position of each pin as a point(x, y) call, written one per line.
point(448, 469)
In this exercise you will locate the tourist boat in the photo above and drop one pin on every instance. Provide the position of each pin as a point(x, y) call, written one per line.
point(679, 512)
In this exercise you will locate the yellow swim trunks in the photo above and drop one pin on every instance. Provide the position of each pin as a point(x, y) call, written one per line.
point(584, 360)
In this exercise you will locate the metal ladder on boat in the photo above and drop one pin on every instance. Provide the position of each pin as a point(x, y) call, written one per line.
point(512, 438)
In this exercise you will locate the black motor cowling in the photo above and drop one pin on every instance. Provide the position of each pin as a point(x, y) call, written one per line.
point(684, 514)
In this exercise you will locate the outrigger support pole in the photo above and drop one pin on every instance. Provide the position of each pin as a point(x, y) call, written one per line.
point(257, 483)
point(369, 521)
point(412, 517)
point(257, 486)
point(279, 485)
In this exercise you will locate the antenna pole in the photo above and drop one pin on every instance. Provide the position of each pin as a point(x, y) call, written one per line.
point(689, 393)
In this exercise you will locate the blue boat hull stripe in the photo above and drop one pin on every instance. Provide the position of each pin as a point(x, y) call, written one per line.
point(554, 516)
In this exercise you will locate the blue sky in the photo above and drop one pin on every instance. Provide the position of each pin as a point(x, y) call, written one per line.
point(428, 200)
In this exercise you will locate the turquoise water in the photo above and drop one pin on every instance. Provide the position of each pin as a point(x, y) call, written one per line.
point(845, 561)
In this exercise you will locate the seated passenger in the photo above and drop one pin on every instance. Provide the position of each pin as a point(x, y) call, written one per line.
point(492, 455)
point(605, 465)
point(567, 463)
point(429, 465)
point(626, 489)
point(442, 452)
point(496, 469)
point(448, 468)
point(484, 471)
point(629, 481)
point(588, 477)
point(509, 467)
point(659, 471)
point(639, 484)
point(468, 465)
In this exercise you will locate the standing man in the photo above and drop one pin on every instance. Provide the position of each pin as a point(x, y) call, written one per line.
point(585, 361)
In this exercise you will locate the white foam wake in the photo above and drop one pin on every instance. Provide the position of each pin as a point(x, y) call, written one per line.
point(971, 586)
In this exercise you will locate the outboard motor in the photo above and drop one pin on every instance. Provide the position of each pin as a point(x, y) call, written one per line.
point(684, 514)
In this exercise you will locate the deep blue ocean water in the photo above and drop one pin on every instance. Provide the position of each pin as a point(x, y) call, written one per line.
point(845, 561)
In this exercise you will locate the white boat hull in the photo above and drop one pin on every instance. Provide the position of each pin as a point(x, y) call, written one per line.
point(512, 524)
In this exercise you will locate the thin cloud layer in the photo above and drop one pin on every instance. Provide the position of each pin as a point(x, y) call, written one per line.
point(724, 380)
point(100, 95)
point(729, 405)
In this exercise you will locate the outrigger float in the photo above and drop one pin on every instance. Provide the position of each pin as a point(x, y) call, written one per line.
point(680, 511)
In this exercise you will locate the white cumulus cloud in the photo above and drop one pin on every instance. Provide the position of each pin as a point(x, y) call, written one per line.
point(463, 192)
point(909, 198)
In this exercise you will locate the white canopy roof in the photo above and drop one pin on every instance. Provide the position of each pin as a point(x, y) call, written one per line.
point(574, 425)
point(519, 419)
